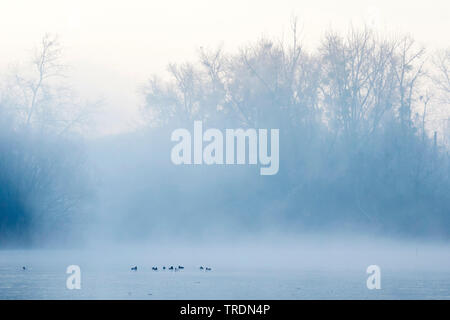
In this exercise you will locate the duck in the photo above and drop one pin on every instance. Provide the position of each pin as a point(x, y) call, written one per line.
point(180, 267)
point(171, 268)
point(134, 268)
point(24, 268)
point(208, 269)
point(155, 268)
point(164, 267)
point(201, 268)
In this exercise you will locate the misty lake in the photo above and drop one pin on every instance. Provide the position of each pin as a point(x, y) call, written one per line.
point(106, 274)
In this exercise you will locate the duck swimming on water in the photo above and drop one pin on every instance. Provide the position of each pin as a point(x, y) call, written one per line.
point(134, 268)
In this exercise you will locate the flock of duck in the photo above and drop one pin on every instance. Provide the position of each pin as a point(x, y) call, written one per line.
point(172, 268)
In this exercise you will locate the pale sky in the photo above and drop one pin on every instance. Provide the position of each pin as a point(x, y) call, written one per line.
point(114, 46)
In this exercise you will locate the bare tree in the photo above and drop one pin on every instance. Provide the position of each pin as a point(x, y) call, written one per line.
point(47, 65)
point(408, 63)
point(357, 84)
point(40, 96)
point(441, 78)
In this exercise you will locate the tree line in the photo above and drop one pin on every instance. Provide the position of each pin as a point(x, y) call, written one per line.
point(364, 143)
point(41, 159)
point(356, 145)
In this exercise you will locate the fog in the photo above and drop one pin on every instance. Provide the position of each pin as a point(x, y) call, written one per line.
point(358, 152)
point(269, 253)
point(88, 138)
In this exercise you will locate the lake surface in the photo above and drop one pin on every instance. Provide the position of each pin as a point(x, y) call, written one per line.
point(108, 276)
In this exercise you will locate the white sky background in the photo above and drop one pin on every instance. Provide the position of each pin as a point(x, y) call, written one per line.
point(113, 47)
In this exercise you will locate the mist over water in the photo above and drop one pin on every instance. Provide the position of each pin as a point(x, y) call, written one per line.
point(314, 267)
